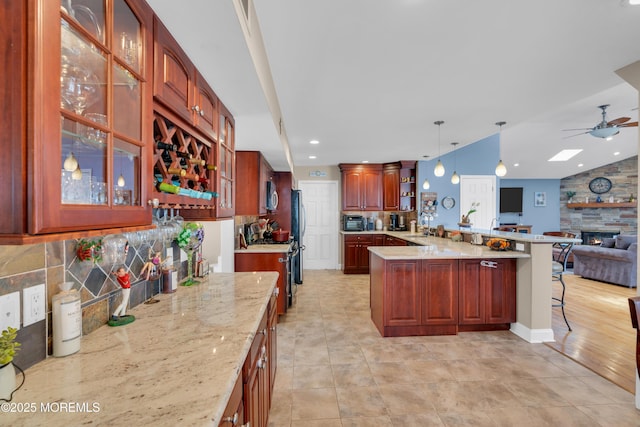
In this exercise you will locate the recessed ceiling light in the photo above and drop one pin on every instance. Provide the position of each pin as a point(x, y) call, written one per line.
point(580, 165)
point(312, 157)
point(634, 2)
point(365, 161)
point(516, 164)
point(314, 142)
point(617, 153)
point(565, 155)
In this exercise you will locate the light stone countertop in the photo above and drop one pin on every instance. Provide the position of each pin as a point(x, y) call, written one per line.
point(264, 249)
point(437, 248)
point(518, 237)
point(175, 365)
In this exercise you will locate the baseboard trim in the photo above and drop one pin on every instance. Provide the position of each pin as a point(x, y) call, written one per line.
point(532, 335)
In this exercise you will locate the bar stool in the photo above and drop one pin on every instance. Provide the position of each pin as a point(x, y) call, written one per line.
point(557, 270)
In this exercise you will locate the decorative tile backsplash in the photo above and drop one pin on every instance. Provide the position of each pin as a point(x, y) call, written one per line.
point(23, 266)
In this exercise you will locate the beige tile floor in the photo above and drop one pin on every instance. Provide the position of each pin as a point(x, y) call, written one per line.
point(334, 369)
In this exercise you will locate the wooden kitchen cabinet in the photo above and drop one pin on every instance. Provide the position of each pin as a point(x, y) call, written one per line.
point(233, 414)
point(253, 170)
point(226, 165)
point(424, 293)
point(442, 296)
point(394, 241)
point(361, 187)
point(255, 375)
point(252, 261)
point(272, 340)
point(180, 87)
point(356, 253)
point(78, 82)
point(408, 186)
point(487, 292)
point(391, 186)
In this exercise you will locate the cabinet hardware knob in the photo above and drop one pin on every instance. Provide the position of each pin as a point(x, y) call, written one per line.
point(201, 113)
point(196, 109)
point(153, 202)
point(273, 328)
point(233, 420)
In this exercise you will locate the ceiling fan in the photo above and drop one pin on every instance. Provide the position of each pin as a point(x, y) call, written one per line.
point(606, 129)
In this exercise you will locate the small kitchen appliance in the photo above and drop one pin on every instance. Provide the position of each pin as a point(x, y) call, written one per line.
point(353, 223)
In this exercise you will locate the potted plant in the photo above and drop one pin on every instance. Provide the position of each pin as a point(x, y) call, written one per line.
point(465, 218)
point(8, 349)
point(570, 195)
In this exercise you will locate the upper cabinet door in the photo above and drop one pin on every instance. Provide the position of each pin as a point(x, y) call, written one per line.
point(204, 108)
point(174, 73)
point(88, 90)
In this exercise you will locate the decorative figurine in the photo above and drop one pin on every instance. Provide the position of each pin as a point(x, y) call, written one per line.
point(153, 264)
point(119, 317)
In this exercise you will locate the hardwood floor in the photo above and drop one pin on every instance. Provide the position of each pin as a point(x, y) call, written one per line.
point(602, 339)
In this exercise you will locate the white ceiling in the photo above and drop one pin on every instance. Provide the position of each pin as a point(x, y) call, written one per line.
point(368, 78)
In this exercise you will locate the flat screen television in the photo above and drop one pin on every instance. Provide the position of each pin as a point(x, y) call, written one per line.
point(511, 200)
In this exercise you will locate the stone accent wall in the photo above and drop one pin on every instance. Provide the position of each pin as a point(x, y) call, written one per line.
point(624, 177)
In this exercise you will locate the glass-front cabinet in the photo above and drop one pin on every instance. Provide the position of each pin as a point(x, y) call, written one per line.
point(226, 165)
point(88, 87)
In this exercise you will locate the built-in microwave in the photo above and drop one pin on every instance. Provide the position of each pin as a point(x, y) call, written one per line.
point(272, 196)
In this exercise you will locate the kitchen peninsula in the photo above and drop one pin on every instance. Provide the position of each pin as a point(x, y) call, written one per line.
point(179, 363)
point(532, 257)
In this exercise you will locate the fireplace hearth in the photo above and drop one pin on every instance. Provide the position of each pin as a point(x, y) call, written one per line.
point(594, 237)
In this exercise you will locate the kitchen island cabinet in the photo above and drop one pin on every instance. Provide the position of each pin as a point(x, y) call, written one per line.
point(177, 364)
point(428, 290)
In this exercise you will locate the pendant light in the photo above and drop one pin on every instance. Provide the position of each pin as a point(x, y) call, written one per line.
point(425, 184)
point(77, 174)
point(70, 163)
point(455, 178)
point(501, 169)
point(439, 169)
point(120, 182)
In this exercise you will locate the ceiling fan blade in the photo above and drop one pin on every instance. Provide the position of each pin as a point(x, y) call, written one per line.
point(565, 130)
point(628, 125)
point(618, 121)
point(571, 136)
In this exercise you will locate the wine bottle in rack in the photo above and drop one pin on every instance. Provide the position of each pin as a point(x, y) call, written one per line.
point(211, 167)
point(183, 155)
point(199, 162)
point(163, 146)
point(177, 171)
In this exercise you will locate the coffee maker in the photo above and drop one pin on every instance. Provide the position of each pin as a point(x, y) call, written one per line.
point(393, 221)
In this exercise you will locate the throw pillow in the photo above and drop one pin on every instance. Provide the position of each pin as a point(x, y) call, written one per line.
point(623, 242)
point(608, 242)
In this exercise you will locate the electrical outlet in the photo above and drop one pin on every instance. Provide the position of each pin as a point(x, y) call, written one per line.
point(10, 311)
point(33, 305)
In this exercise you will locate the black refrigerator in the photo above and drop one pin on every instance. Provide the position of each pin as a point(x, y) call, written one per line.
point(298, 225)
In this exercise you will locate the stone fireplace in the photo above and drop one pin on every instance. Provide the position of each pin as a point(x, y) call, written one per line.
point(594, 237)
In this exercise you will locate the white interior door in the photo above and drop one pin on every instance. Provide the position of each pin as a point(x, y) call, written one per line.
point(321, 235)
point(479, 189)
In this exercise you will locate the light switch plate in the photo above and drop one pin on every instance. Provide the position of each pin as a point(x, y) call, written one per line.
point(519, 246)
point(33, 304)
point(10, 311)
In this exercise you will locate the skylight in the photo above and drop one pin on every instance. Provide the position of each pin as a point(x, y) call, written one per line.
point(565, 155)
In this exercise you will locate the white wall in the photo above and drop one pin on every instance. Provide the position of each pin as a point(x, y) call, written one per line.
point(218, 245)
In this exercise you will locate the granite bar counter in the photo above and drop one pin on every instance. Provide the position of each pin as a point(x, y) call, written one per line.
point(176, 364)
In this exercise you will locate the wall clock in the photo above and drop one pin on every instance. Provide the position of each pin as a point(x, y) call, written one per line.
point(600, 185)
point(448, 202)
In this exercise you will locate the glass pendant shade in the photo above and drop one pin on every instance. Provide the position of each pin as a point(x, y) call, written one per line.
point(425, 184)
point(77, 174)
point(455, 178)
point(121, 181)
point(501, 169)
point(439, 169)
point(70, 163)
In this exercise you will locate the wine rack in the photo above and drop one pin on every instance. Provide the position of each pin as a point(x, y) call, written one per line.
point(183, 167)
